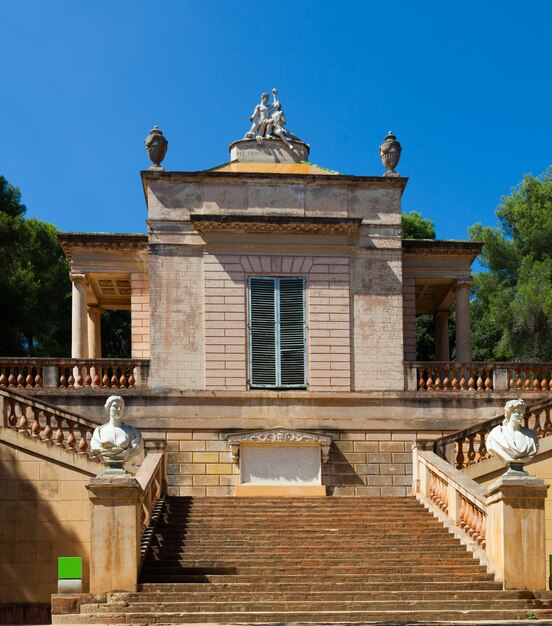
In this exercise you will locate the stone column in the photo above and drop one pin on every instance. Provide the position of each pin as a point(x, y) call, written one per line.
point(516, 539)
point(94, 332)
point(79, 334)
point(115, 532)
point(463, 320)
point(442, 350)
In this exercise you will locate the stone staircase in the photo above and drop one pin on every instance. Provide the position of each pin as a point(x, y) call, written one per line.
point(325, 560)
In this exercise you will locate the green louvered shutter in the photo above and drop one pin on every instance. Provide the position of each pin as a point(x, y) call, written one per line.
point(292, 332)
point(262, 332)
point(277, 332)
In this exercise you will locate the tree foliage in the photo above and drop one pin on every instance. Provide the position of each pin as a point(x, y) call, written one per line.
point(35, 303)
point(417, 227)
point(512, 309)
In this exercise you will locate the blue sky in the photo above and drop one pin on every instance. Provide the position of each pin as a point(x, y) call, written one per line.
point(464, 85)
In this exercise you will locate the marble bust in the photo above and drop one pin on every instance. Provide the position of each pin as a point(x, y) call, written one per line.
point(510, 441)
point(115, 442)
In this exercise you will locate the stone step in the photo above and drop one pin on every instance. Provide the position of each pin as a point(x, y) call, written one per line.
point(260, 595)
point(368, 556)
point(292, 579)
point(269, 604)
point(337, 566)
point(286, 617)
point(349, 584)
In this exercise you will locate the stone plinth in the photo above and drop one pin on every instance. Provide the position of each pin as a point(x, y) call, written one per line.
point(115, 529)
point(269, 151)
point(516, 531)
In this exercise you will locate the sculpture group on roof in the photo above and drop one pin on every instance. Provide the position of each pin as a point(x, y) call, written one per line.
point(268, 121)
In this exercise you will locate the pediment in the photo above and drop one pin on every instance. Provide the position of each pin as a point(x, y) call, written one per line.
point(279, 436)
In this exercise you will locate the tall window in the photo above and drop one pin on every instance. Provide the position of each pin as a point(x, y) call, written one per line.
point(277, 332)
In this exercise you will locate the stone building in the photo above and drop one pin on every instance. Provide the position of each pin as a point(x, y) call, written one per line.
point(273, 308)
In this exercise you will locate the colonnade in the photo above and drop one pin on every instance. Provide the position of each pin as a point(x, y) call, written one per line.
point(463, 325)
point(85, 322)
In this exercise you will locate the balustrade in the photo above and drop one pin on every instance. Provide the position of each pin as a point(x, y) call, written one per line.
point(478, 377)
point(526, 377)
point(444, 376)
point(47, 424)
point(470, 444)
point(72, 374)
point(20, 374)
point(460, 499)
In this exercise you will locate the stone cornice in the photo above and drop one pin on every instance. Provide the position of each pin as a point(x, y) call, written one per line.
point(278, 436)
point(259, 223)
point(436, 246)
point(101, 241)
point(381, 182)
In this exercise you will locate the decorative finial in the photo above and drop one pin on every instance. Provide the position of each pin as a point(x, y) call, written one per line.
point(156, 146)
point(390, 153)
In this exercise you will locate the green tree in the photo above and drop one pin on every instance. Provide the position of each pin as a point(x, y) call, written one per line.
point(417, 227)
point(35, 303)
point(512, 308)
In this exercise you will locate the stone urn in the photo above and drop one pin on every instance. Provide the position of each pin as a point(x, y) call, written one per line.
point(390, 153)
point(156, 146)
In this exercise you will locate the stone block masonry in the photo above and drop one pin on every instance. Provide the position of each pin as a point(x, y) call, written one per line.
point(361, 463)
point(140, 315)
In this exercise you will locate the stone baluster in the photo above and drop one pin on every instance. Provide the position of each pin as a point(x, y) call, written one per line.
point(12, 414)
point(59, 436)
point(446, 379)
point(471, 450)
point(519, 381)
point(455, 380)
point(429, 381)
point(83, 443)
point(460, 453)
point(71, 439)
point(35, 428)
point(483, 453)
point(48, 432)
point(23, 426)
point(488, 380)
point(547, 423)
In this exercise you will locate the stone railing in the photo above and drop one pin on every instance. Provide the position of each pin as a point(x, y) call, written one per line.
point(46, 423)
point(460, 498)
point(503, 524)
point(468, 446)
point(152, 478)
point(44, 373)
point(478, 377)
point(122, 518)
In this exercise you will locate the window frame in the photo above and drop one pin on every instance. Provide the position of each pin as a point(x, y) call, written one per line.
point(276, 281)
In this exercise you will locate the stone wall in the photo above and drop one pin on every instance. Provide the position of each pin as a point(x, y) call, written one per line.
point(177, 318)
point(44, 514)
point(327, 315)
point(361, 463)
point(140, 315)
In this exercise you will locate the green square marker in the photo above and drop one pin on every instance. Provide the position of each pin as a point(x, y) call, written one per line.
point(69, 567)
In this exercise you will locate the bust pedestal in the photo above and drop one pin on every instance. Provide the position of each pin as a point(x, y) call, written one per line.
point(516, 531)
point(115, 529)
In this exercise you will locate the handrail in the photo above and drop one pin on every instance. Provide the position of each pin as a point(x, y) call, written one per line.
point(470, 443)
